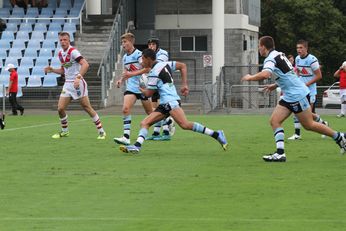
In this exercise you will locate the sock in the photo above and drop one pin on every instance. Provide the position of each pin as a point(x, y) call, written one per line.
point(297, 126)
point(97, 122)
point(279, 140)
point(165, 129)
point(319, 119)
point(197, 127)
point(141, 137)
point(127, 126)
point(64, 124)
point(337, 136)
point(343, 108)
point(157, 128)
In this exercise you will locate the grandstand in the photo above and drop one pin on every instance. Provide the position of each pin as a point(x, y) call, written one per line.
point(30, 41)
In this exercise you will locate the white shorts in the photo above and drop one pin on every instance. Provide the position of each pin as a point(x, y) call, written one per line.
point(343, 95)
point(68, 90)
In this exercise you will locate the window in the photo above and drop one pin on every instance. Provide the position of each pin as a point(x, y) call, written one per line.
point(194, 43)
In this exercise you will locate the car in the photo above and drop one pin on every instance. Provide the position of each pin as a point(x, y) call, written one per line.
point(331, 96)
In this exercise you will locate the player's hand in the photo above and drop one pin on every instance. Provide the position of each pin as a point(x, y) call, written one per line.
point(246, 78)
point(269, 88)
point(48, 69)
point(125, 75)
point(76, 83)
point(184, 90)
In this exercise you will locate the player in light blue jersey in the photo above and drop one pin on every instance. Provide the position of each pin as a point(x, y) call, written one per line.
point(295, 99)
point(308, 70)
point(132, 67)
point(167, 124)
point(160, 79)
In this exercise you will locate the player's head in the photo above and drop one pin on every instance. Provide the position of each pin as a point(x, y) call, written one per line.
point(64, 38)
point(291, 59)
point(302, 47)
point(266, 44)
point(343, 66)
point(148, 57)
point(127, 41)
point(153, 43)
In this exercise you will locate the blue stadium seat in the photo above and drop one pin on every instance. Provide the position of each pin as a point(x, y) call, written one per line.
point(49, 44)
point(34, 81)
point(22, 74)
point(65, 4)
point(54, 26)
point(44, 52)
point(25, 27)
point(15, 53)
point(57, 19)
point(37, 35)
point(61, 12)
point(5, 44)
point(3, 56)
point(22, 35)
point(14, 19)
point(20, 91)
point(27, 62)
point(40, 27)
point(38, 71)
point(52, 4)
point(30, 52)
point(47, 12)
point(52, 35)
point(70, 27)
point(34, 43)
point(17, 44)
point(18, 12)
point(43, 19)
point(41, 62)
point(4, 79)
point(6, 4)
point(32, 12)
point(4, 12)
point(12, 60)
point(12, 27)
point(50, 81)
point(9, 35)
point(55, 62)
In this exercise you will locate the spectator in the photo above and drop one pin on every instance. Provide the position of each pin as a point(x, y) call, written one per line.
point(13, 89)
point(19, 3)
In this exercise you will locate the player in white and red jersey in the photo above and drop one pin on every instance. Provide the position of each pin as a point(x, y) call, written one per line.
point(74, 67)
point(131, 75)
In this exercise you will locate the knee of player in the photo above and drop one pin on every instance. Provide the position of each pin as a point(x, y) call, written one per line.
point(61, 110)
point(144, 124)
point(186, 125)
point(126, 110)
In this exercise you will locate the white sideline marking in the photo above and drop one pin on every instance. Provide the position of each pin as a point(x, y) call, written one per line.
point(166, 219)
point(48, 124)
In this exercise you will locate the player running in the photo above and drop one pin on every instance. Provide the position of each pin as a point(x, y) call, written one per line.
point(132, 68)
point(74, 66)
point(160, 79)
point(309, 72)
point(295, 98)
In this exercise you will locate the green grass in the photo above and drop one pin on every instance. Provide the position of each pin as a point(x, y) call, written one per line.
point(189, 183)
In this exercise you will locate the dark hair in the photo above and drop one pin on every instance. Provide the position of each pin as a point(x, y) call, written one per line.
point(149, 53)
point(303, 42)
point(267, 42)
point(154, 40)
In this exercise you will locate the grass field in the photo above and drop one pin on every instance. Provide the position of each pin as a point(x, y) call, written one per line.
point(80, 183)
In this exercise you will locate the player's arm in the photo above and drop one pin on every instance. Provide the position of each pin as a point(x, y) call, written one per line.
point(59, 71)
point(9, 86)
point(128, 74)
point(337, 73)
point(84, 66)
point(183, 72)
point(257, 77)
point(318, 76)
point(147, 92)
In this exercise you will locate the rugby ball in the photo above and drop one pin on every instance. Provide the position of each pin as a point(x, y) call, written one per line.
point(143, 81)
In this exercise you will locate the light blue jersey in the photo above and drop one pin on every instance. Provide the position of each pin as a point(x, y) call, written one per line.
point(161, 55)
point(280, 67)
point(306, 67)
point(160, 79)
point(131, 62)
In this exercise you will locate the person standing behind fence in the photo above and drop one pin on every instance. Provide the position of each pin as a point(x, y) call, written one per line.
point(13, 89)
point(341, 74)
point(74, 66)
point(308, 70)
point(295, 99)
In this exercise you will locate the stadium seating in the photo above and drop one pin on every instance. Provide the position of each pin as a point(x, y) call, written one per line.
point(50, 81)
point(1, 89)
point(34, 81)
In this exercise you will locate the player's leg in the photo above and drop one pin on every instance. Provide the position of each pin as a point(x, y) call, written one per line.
point(62, 104)
point(11, 98)
point(297, 127)
point(85, 103)
point(179, 116)
point(279, 115)
point(343, 103)
point(145, 124)
point(315, 116)
point(305, 117)
point(129, 100)
point(157, 126)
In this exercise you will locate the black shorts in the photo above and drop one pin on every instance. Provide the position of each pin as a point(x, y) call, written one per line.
point(155, 97)
point(166, 108)
point(298, 106)
point(138, 95)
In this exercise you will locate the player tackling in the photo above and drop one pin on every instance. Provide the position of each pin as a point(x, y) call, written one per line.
point(74, 67)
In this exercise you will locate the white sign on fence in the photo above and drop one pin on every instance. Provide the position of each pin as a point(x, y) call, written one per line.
point(207, 60)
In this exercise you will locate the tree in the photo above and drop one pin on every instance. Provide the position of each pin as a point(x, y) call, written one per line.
point(317, 21)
